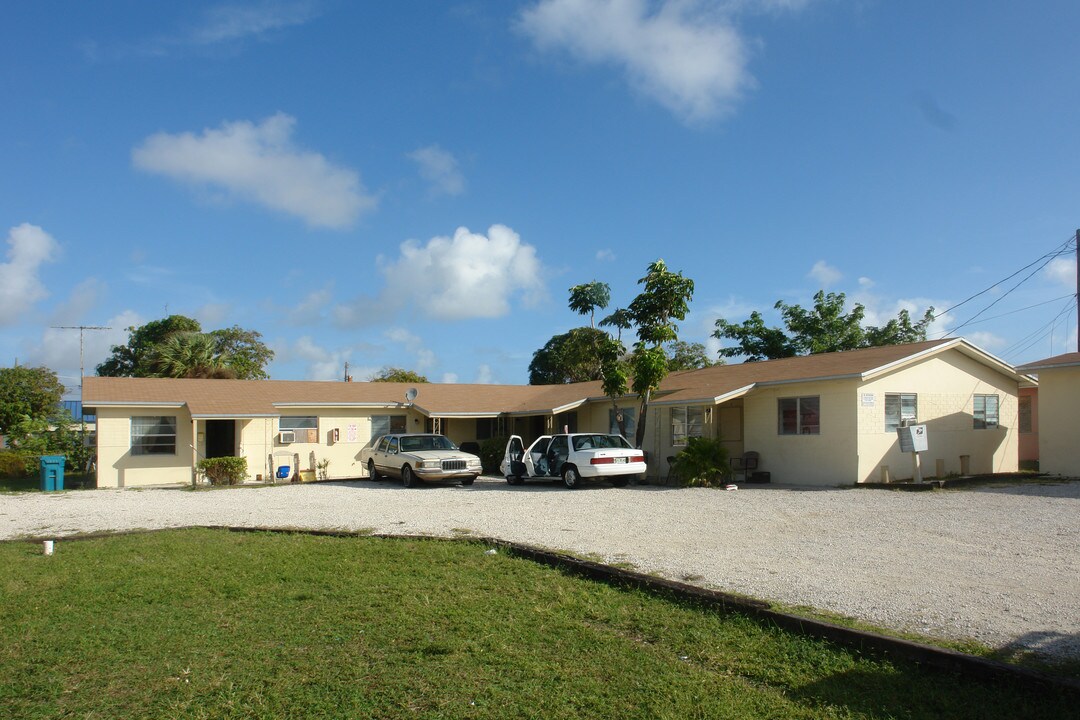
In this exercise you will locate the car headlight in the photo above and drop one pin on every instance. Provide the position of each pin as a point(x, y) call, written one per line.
point(431, 464)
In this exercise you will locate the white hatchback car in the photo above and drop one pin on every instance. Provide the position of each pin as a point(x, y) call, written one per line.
point(573, 457)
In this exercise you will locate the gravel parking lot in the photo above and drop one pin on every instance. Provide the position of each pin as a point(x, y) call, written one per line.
point(997, 564)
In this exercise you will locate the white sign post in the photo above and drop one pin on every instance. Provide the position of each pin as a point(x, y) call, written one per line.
point(913, 439)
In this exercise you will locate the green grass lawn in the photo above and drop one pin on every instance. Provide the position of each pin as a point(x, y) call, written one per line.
point(212, 624)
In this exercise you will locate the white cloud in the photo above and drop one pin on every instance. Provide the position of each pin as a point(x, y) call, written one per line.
point(439, 168)
point(484, 375)
point(322, 364)
point(986, 340)
point(59, 348)
point(467, 276)
point(259, 163)
point(684, 54)
point(82, 299)
point(605, 255)
point(449, 377)
point(231, 22)
point(212, 315)
point(825, 274)
point(425, 358)
point(309, 311)
point(1062, 271)
point(29, 247)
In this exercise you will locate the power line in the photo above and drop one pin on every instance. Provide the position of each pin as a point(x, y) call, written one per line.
point(1048, 257)
point(1039, 334)
point(1065, 247)
point(1013, 312)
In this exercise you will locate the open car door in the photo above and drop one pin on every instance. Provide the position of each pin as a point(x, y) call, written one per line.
point(512, 465)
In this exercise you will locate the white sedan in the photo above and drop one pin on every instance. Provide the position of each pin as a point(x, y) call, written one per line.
point(419, 456)
point(573, 457)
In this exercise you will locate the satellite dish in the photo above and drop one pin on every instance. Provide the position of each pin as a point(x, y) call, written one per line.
point(410, 395)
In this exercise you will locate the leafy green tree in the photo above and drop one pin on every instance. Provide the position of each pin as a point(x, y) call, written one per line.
point(243, 352)
point(826, 327)
point(620, 320)
point(900, 330)
point(232, 353)
point(28, 393)
point(567, 358)
point(586, 298)
point(665, 298)
point(755, 340)
point(684, 355)
point(398, 375)
point(136, 357)
point(30, 438)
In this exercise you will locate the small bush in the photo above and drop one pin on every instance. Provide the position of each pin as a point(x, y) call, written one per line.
point(224, 470)
point(14, 464)
point(702, 463)
point(491, 454)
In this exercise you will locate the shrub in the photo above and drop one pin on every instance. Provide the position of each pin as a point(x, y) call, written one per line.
point(491, 453)
point(702, 463)
point(224, 470)
point(14, 464)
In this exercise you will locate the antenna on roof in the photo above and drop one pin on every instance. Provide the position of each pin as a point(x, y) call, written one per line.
point(410, 395)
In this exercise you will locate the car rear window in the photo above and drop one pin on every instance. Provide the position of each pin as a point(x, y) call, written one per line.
point(600, 442)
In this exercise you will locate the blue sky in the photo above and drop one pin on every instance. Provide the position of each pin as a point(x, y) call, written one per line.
point(418, 184)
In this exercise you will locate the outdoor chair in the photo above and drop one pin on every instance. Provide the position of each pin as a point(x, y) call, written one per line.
point(745, 463)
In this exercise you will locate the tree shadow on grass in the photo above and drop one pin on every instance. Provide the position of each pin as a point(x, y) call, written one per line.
point(912, 692)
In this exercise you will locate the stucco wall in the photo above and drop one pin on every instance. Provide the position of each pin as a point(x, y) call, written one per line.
point(945, 386)
point(117, 467)
point(829, 458)
point(1059, 409)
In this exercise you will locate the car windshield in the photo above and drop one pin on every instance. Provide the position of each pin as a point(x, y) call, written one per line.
point(600, 442)
point(413, 443)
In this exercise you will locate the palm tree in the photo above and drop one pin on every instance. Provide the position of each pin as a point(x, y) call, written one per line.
point(190, 355)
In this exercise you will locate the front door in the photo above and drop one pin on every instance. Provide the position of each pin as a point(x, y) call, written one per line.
point(220, 438)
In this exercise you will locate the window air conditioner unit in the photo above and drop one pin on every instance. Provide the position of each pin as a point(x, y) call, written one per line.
point(286, 436)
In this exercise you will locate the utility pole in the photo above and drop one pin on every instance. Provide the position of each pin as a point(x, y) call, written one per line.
point(1078, 290)
point(82, 370)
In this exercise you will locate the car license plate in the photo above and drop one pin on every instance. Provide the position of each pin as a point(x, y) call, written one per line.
point(620, 459)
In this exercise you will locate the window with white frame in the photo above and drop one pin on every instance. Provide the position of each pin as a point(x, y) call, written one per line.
point(986, 412)
point(387, 424)
point(153, 435)
point(629, 421)
point(900, 407)
point(305, 428)
point(799, 416)
point(686, 422)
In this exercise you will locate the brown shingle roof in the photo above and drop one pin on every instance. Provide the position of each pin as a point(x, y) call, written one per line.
point(268, 397)
point(1064, 360)
point(721, 380)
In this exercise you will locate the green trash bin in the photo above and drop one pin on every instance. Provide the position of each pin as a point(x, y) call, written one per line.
point(52, 472)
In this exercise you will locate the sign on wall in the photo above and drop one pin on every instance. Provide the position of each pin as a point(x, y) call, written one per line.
point(912, 438)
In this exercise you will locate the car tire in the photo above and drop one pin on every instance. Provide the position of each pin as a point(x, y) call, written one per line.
point(468, 481)
point(372, 473)
point(407, 477)
point(570, 477)
point(621, 481)
point(514, 480)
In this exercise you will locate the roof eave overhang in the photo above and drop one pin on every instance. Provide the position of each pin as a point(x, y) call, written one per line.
point(717, 400)
point(134, 403)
